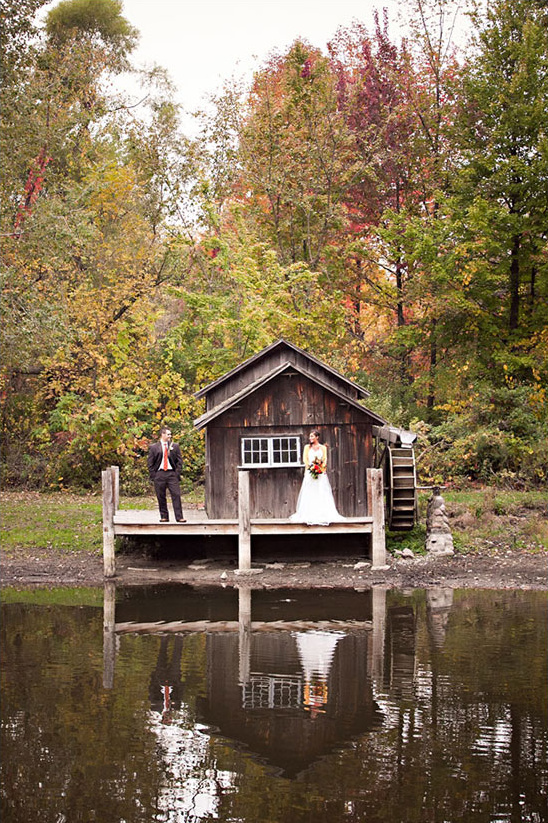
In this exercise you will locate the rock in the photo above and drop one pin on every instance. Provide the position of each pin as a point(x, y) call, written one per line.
point(361, 564)
point(407, 553)
point(439, 540)
point(244, 572)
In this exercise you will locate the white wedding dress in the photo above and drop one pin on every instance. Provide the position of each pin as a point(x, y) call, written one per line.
point(316, 504)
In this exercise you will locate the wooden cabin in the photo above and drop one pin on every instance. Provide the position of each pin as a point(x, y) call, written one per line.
point(258, 417)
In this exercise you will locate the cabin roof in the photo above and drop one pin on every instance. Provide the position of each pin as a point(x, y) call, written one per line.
point(210, 415)
point(291, 347)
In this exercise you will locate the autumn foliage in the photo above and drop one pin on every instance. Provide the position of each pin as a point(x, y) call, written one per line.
point(382, 204)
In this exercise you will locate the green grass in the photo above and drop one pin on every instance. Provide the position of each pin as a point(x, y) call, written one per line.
point(498, 501)
point(493, 521)
point(69, 522)
point(59, 596)
point(414, 539)
point(62, 520)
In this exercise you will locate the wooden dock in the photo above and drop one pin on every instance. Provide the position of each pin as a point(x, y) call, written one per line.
point(145, 523)
point(245, 627)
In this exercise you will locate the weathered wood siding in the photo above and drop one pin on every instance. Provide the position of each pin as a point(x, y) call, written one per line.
point(291, 404)
point(269, 361)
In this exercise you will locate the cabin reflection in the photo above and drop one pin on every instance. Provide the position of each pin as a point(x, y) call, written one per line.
point(304, 693)
point(290, 689)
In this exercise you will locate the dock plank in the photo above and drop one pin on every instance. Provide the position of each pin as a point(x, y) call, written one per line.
point(146, 521)
point(205, 626)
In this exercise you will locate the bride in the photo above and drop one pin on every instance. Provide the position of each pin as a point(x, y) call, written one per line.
point(316, 505)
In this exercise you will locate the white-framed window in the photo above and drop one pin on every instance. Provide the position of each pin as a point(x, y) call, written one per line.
point(268, 452)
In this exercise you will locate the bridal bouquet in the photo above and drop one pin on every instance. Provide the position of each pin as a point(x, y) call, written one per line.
point(316, 468)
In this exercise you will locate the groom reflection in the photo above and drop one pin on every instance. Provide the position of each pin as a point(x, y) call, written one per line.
point(165, 681)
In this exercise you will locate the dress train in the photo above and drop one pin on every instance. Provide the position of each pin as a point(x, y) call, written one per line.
point(316, 504)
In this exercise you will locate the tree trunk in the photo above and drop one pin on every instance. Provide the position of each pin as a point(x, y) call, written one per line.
point(514, 283)
point(431, 400)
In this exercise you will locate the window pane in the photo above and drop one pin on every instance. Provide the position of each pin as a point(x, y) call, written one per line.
point(246, 452)
point(275, 451)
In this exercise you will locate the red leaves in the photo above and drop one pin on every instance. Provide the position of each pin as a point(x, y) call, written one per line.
point(306, 71)
point(35, 181)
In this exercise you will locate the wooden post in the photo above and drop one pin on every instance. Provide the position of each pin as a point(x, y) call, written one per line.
point(379, 622)
point(116, 486)
point(108, 523)
point(244, 620)
point(109, 634)
point(375, 500)
point(244, 522)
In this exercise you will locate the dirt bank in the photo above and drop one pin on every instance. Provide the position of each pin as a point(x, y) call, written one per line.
point(515, 570)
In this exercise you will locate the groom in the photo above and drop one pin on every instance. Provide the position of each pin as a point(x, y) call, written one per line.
point(164, 469)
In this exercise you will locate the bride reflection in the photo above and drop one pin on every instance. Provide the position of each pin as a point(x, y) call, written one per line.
point(316, 650)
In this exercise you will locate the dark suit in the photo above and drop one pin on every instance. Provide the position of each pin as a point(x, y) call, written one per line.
point(164, 480)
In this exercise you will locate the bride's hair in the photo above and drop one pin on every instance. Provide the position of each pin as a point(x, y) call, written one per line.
point(316, 432)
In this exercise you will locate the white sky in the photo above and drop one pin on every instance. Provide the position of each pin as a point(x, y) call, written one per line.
point(202, 43)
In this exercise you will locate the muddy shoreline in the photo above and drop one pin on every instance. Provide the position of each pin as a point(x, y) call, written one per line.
point(51, 569)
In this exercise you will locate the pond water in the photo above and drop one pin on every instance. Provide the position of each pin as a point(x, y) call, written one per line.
point(166, 703)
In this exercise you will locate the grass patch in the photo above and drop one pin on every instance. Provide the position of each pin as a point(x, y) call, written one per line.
point(493, 520)
point(63, 521)
point(415, 539)
point(68, 522)
point(62, 596)
point(497, 501)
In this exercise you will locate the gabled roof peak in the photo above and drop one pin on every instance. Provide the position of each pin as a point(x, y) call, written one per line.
point(281, 342)
point(229, 402)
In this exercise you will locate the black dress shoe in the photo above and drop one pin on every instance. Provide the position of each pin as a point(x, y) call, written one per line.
point(182, 520)
point(164, 520)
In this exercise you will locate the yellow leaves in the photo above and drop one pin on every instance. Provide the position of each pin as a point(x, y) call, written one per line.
point(112, 190)
point(538, 401)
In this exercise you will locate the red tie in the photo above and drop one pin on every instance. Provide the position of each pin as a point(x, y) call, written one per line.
point(164, 464)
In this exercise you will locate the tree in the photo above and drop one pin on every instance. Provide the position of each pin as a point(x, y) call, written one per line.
point(503, 186)
point(291, 155)
point(98, 22)
point(398, 104)
point(86, 255)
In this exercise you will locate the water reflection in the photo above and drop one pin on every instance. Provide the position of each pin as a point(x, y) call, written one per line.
point(439, 602)
point(193, 705)
point(289, 690)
